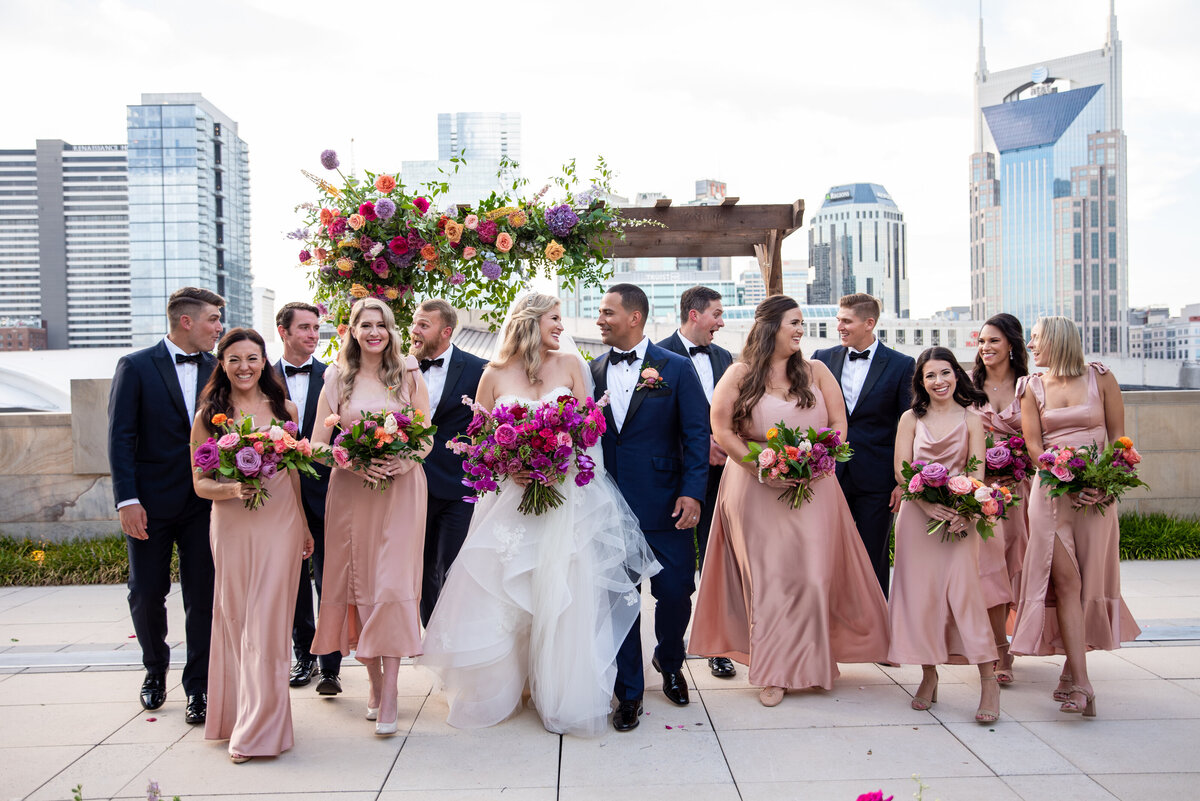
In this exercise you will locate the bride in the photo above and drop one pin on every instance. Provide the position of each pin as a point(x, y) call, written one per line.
point(540, 601)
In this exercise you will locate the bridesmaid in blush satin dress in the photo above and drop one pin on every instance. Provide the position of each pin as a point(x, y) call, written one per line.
point(788, 592)
point(937, 608)
point(374, 540)
point(1070, 600)
point(1001, 367)
point(257, 554)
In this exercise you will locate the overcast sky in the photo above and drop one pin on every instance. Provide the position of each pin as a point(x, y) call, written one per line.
point(780, 100)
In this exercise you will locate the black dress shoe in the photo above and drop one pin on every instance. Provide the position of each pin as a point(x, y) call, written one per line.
point(302, 672)
point(626, 716)
point(674, 685)
point(722, 667)
point(329, 684)
point(154, 690)
point(197, 708)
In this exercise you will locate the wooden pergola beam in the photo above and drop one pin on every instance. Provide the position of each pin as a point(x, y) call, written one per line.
point(726, 230)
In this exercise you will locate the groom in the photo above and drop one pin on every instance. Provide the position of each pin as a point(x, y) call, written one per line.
point(656, 449)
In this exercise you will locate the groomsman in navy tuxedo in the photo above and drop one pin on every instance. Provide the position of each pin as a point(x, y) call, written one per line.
point(299, 327)
point(701, 316)
point(656, 449)
point(877, 385)
point(450, 373)
point(150, 411)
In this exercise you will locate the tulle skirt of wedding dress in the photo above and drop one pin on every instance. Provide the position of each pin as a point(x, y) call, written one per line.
point(543, 601)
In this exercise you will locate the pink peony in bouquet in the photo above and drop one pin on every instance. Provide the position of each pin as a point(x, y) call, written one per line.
point(251, 456)
point(541, 440)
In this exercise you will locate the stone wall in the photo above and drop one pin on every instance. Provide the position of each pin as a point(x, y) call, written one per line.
point(54, 481)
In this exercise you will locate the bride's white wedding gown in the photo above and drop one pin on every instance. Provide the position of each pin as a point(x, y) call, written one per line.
point(545, 600)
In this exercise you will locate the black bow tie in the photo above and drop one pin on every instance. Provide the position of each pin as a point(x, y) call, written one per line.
point(616, 357)
point(427, 363)
point(291, 371)
point(859, 354)
point(694, 349)
point(183, 358)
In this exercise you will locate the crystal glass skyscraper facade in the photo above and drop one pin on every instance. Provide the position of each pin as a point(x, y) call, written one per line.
point(481, 139)
point(1048, 195)
point(189, 209)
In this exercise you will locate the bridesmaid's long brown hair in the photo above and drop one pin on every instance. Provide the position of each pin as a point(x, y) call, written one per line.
point(756, 355)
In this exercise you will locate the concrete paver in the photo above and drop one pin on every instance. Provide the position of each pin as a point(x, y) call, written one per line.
point(69, 676)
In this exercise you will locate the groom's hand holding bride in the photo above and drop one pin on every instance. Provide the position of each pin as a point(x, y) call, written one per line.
point(687, 512)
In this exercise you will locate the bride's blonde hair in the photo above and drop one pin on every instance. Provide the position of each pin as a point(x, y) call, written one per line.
point(523, 336)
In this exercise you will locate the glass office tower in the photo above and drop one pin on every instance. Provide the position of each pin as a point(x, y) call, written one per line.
point(189, 209)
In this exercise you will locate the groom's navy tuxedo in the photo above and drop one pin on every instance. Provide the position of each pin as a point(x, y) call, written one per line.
point(312, 493)
point(659, 455)
point(149, 453)
point(869, 477)
point(720, 359)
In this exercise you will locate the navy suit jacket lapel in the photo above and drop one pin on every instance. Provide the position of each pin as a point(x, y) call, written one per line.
point(878, 365)
point(316, 382)
point(654, 358)
point(166, 368)
point(837, 360)
point(453, 373)
point(721, 359)
point(599, 367)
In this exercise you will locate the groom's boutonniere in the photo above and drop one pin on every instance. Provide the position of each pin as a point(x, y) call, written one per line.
point(651, 379)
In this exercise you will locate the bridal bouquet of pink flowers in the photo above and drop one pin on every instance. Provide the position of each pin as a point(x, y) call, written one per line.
point(378, 435)
point(795, 453)
point(250, 455)
point(1007, 458)
point(967, 496)
point(541, 440)
point(1112, 470)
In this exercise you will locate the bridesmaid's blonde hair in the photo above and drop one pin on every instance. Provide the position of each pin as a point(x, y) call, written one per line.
point(1060, 340)
point(349, 358)
point(523, 336)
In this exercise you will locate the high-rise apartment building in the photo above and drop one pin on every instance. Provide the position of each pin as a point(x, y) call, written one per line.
point(481, 139)
point(64, 243)
point(858, 242)
point(189, 209)
point(1048, 194)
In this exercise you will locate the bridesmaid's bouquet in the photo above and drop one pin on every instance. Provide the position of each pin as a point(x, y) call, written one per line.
point(967, 496)
point(379, 435)
point(1007, 458)
point(541, 440)
point(1112, 470)
point(251, 456)
point(802, 455)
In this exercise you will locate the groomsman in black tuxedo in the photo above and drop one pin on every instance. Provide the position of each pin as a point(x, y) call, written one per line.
point(150, 411)
point(877, 385)
point(701, 316)
point(299, 327)
point(450, 373)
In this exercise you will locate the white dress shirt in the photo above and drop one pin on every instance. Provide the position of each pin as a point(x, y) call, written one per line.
point(297, 386)
point(189, 374)
point(854, 375)
point(622, 379)
point(435, 379)
point(704, 366)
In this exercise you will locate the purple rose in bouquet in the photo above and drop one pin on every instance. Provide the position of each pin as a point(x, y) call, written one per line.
point(207, 456)
point(248, 462)
point(998, 457)
point(934, 474)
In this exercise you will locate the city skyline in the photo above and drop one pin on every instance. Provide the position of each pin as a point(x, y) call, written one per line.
point(778, 113)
